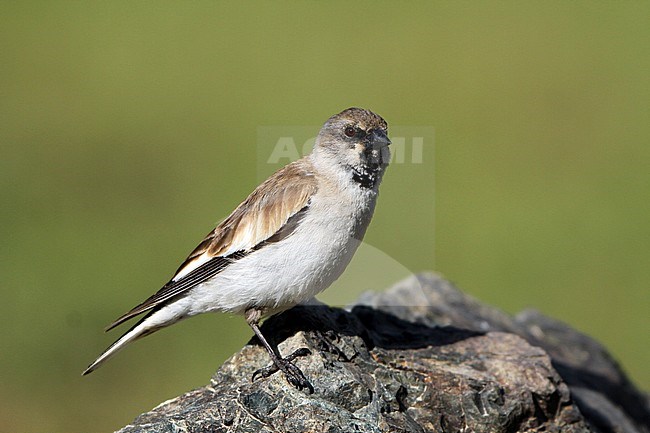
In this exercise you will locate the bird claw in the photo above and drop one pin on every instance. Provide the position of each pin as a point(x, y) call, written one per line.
point(293, 374)
point(325, 344)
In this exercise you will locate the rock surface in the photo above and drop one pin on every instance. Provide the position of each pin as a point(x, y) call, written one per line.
point(421, 357)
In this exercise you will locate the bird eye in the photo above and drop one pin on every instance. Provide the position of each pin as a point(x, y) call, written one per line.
point(350, 131)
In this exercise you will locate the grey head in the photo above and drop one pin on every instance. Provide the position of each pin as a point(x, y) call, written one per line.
point(356, 140)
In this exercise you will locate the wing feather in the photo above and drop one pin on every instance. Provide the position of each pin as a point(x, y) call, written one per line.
point(268, 215)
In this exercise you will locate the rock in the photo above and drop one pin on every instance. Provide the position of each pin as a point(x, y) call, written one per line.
point(421, 357)
point(604, 394)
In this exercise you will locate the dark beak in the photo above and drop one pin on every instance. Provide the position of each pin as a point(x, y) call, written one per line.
point(378, 138)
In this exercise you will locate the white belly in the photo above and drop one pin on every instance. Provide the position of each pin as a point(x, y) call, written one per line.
point(291, 271)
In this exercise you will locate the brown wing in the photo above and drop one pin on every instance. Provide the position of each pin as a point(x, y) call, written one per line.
point(271, 212)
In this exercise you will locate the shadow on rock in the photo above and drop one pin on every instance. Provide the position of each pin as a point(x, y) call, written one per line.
point(375, 327)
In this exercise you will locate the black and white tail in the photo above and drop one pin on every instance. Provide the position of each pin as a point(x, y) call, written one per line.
point(149, 324)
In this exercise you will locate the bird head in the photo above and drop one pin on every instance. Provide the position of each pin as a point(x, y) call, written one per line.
point(355, 139)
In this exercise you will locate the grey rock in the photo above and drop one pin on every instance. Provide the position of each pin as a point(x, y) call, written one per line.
point(420, 357)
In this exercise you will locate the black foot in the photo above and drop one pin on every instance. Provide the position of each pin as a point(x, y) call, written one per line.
point(325, 344)
point(291, 372)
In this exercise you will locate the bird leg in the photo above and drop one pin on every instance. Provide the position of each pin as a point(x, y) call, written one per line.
point(291, 372)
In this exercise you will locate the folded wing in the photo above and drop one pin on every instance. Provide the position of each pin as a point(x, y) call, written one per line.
point(269, 214)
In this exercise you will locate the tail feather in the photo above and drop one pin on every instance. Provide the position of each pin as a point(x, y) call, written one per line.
point(141, 329)
point(138, 331)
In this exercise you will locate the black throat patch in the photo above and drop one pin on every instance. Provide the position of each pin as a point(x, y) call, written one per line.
point(365, 175)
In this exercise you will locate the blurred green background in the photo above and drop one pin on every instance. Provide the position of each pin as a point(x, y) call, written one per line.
point(127, 129)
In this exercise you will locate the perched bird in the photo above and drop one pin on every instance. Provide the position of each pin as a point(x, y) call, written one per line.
point(289, 240)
